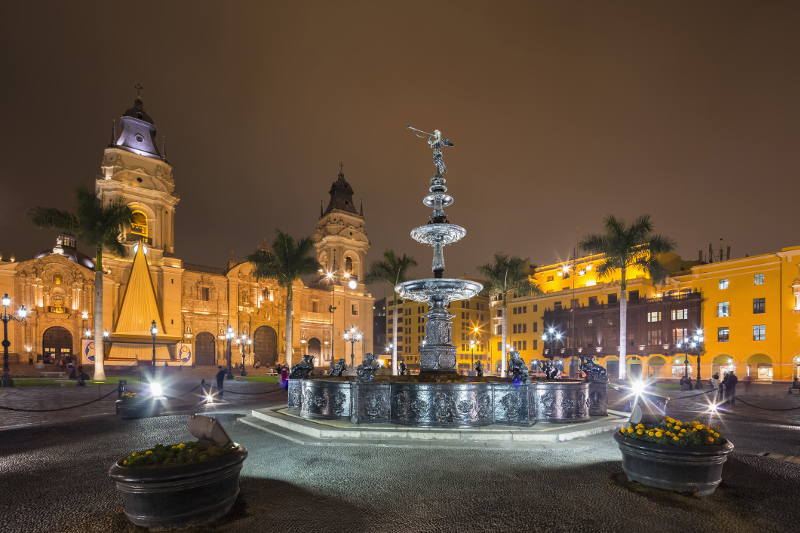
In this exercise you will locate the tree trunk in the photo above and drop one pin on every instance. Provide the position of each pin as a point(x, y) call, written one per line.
point(289, 307)
point(623, 327)
point(99, 371)
point(504, 368)
point(394, 339)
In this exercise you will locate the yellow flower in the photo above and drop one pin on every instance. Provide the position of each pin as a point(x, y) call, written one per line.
point(134, 454)
point(124, 462)
point(630, 430)
point(716, 434)
point(674, 438)
point(639, 431)
point(148, 452)
point(658, 434)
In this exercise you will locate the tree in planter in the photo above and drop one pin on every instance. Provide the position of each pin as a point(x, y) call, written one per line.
point(286, 262)
point(94, 224)
point(503, 275)
point(392, 270)
point(628, 246)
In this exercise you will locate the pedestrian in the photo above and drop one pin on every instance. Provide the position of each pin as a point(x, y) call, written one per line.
point(285, 377)
point(220, 380)
point(747, 381)
point(722, 385)
point(70, 371)
point(82, 377)
point(730, 387)
point(795, 385)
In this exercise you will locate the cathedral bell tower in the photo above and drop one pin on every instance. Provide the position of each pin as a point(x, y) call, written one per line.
point(341, 239)
point(135, 170)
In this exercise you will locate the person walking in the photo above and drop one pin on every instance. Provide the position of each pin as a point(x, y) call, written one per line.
point(220, 381)
point(730, 388)
point(285, 378)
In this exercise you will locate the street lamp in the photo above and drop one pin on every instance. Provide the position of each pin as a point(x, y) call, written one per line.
point(354, 336)
point(472, 349)
point(153, 330)
point(7, 381)
point(245, 343)
point(552, 336)
point(690, 345)
point(229, 335)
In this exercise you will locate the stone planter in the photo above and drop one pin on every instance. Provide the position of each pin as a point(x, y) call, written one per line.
point(139, 408)
point(679, 468)
point(180, 495)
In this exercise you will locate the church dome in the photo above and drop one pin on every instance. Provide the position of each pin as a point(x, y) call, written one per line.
point(341, 196)
point(65, 246)
point(137, 112)
point(138, 132)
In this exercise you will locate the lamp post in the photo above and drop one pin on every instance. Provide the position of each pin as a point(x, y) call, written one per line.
point(552, 336)
point(354, 336)
point(472, 349)
point(229, 335)
point(7, 381)
point(691, 344)
point(353, 285)
point(245, 344)
point(154, 330)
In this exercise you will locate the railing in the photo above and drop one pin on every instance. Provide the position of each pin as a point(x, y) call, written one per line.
point(203, 268)
point(640, 301)
point(135, 237)
point(319, 285)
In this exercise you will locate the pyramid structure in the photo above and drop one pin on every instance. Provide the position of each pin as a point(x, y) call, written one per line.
point(139, 309)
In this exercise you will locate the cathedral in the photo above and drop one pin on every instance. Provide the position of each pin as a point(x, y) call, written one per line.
point(192, 305)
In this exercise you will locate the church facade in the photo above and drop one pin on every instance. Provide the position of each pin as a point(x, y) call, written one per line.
point(194, 304)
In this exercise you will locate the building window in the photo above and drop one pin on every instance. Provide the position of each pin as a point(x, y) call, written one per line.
point(759, 279)
point(654, 316)
point(513, 311)
point(535, 307)
point(549, 278)
point(760, 333)
point(499, 346)
point(759, 306)
point(680, 314)
point(633, 296)
point(654, 337)
point(524, 345)
point(514, 328)
point(723, 284)
point(574, 303)
point(139, 224)
point(534, 343)
point(722, 335)
point(557, 306)
point(612, 298)
point(678, 334)
point(205, 294)
point(592, 300)
point(524, 309)
point(524, 328)
point(535, 327)
point(723, 309)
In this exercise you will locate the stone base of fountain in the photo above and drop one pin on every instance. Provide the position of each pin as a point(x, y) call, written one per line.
point(445, 400)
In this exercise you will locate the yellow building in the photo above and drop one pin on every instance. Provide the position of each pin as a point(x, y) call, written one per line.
point(748, 310)
point(471, 323)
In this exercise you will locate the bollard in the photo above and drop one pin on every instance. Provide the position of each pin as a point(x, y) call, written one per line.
point(121, 387)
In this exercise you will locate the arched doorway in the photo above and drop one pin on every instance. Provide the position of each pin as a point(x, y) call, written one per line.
point(56, 344)
point(759, 366)
point(656, 365)
point(634, 366)
point(205, 349)
point(315, 350)
point(265, 346)
point(721, 364)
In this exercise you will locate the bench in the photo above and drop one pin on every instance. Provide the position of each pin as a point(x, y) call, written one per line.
point(55, 375)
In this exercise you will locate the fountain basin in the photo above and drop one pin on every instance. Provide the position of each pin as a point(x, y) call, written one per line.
point(447, 401)
point(443, 289)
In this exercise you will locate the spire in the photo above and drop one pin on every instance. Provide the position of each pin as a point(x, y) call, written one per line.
point(138, 130)
point(361, 210)
point(320, 209)
point(164, 148)
point(113, 132)
point(139, 305)
point(341, 195)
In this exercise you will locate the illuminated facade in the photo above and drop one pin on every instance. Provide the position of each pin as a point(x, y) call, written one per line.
point(196, 303)
point(748, 310)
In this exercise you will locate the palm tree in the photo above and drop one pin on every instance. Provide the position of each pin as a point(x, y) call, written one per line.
point(286, 262)
point(392, 270)
point(508, 274)
point(628, 246)
point(94, 224)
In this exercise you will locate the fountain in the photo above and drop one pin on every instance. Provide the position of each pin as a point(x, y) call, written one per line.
point(439, 396)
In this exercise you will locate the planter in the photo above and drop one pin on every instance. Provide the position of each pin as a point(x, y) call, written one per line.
point(183, 495)
point(144, 408)
point(680, 468)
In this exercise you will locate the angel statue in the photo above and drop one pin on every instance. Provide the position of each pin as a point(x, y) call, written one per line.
point(436, 142)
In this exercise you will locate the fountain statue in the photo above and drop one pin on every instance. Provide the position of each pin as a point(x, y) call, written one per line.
point(303, 368)
point(439, 396)
point(339, 369)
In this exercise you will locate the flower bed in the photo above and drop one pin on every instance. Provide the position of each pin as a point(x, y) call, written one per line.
point(676, 433)
point(168, 455)
point(135, 405)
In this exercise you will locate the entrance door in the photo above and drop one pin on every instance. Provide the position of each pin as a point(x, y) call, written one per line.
point(315, 350)
point(56, 344)
point(205, 349)
point(265, 346)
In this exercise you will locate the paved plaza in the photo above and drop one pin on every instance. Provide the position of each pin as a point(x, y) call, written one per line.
point(54, 465)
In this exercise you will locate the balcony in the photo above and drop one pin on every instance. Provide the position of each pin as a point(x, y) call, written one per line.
point(203, 268)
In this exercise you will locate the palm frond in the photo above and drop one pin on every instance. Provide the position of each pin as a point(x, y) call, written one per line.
point(52, 218)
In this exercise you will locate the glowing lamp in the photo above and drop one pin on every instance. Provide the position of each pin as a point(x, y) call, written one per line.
point(638, 387)
point(84, 315)
point(156, 390)
point(353, 284)
point(105, 334)
point(6, 301)
point(22, 312)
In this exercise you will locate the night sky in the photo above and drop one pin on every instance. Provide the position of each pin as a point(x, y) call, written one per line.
point(560, 112)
